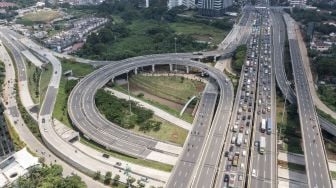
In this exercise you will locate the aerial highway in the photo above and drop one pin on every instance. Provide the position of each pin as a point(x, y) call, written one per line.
point(104, 132)
point(279, 34)
point(315, 156)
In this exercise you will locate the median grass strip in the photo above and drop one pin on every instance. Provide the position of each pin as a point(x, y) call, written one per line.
point(44, 80)
point(18, 143)
point(146, 163)
point(33, 74)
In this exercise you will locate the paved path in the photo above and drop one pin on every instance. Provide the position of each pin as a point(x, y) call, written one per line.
point(157, 111)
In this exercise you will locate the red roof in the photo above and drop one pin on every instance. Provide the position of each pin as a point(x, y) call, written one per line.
point(7, 4)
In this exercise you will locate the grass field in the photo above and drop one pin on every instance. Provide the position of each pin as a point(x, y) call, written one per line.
point(172, 88)
point(201, 32)
point(42, 16)
point(44, 81)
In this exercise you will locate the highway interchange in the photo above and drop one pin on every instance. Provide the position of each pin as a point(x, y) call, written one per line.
point(212, 144)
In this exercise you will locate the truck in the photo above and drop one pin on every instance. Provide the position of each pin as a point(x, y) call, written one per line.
point(239, 139)
point(235, 159)
point(262, 145)
point(263, 125)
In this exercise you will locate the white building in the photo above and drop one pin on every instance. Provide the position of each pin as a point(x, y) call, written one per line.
point(213, 8)
point(15, 166)
point(174, 3)
point(298, 3)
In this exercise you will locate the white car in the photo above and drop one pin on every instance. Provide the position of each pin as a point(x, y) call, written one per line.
point(247, 132)
point(254, 173)
point(242, 166)
point(244, 153)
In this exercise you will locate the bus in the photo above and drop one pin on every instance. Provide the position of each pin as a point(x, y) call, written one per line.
point(269, 126)
point(262, 145)
point(263, 125)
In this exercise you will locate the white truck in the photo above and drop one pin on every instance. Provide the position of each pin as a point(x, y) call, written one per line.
point(263, 125)
point(239, 139)
point(262, 145)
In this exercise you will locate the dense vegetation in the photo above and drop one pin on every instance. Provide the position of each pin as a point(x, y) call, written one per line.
point(49, 176)
point(239, 58)
point(135, 31)
point(117, 110)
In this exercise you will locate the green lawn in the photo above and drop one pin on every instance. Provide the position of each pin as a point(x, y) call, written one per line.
point(45, 79)
point(201, 32)
point(327, 94)
point(172, 88)
point(333, 175)
point(33, 74)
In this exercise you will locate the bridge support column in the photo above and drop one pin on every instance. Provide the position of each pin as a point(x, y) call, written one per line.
point(112, 79)
point(187, 69)
point(136, 71)
point(153, 68)
point(171, 67)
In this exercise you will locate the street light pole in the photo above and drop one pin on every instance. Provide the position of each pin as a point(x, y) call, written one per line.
point(175, 43)
point(129, 95)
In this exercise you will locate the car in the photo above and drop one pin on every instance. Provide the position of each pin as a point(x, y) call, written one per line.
point(244, 117)
point(247, 132)
point(118, 163)
point(231, 148)
point(249, 117)
point(242, 166)
point(226, 178)
point(230, 157)
point(244, 153)
point(245, 141)
point(228, 167)
point(106, 155)
point(241, 129)
point(247, 124)
point(240, 177)
point(256, 143)
point(226, 154)
point(254, 173)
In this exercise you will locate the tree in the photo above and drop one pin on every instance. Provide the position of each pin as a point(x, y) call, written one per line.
point(108, 178)
point(97, 175)
point(116, 179)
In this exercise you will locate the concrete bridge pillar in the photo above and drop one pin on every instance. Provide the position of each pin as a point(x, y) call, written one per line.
point(187, 69)
point(153, 68)
point(136, 71)
point(112, 79)
point(171, 67)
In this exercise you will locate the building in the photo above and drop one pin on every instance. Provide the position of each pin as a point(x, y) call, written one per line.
point(298, 3)
point(6, 144)
point(18, 164)
point(213, 8)
point(189, 3)
point(174, 3)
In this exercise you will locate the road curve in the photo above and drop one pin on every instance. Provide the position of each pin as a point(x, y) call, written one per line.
point(87, 119)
